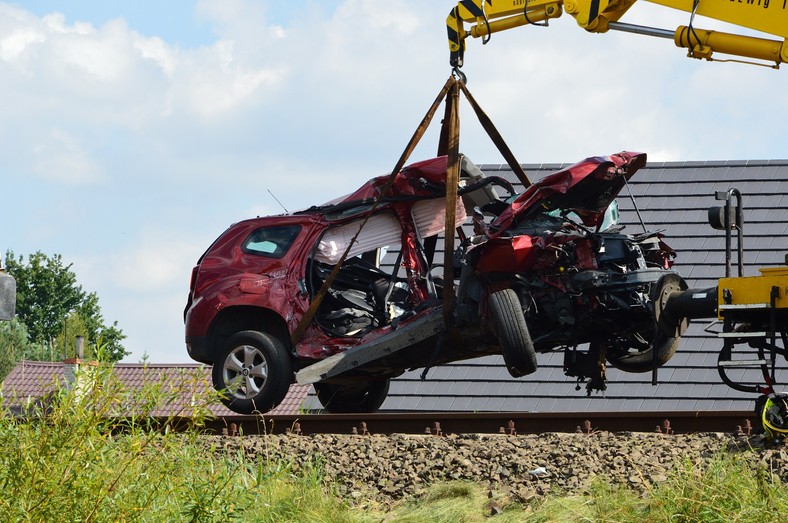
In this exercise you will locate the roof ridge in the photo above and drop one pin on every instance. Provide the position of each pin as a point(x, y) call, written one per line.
point(675, 164)
point(32, 363)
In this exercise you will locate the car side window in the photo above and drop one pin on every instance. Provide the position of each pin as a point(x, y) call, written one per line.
point(273, 241)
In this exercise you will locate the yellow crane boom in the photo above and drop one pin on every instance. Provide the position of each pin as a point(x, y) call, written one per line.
point(599, 16)
point(753, 310)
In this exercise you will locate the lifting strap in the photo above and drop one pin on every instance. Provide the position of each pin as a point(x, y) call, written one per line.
point(496, 138)
point(452, 185)
point(425, 122)
point(449, 144)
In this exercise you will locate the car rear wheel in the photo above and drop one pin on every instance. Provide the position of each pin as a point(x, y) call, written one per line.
point(509, 323)
point(253, 371)
point(636, 353)
point(352, 397)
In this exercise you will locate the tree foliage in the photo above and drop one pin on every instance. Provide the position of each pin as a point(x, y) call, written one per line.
point(55, 309)
point(15, 345)
point(13, 342)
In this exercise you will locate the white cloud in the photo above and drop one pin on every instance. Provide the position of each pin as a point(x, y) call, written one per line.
point(156, 50)
point(95, 56)
point(13, 45)
point(114, 73)
point(143, 283)
point(19, 33)
point(152, 261)
point(150, 268)
point(213, 84)
point(59, 156)
point(56, 22)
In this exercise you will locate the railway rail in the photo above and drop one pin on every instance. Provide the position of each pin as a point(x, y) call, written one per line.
point(511, 423)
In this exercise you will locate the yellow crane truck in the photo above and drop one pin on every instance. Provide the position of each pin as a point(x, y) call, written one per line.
point(753, 310)
point(600, 16)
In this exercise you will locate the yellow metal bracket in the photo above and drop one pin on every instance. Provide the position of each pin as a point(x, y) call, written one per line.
point(754, 290)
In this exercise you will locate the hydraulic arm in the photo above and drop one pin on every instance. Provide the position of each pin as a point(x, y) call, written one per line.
point(599, 16)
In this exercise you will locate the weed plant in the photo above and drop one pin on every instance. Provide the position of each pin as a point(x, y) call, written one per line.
point(91, 453)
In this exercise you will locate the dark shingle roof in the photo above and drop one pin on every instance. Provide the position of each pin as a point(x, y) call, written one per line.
point(31, 380)
point(673, 196)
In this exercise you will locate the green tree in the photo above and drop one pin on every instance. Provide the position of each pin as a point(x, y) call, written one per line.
point(66, 342)
point(13, 341)
point(55, 308)
point(15, 345)
point(108, 336)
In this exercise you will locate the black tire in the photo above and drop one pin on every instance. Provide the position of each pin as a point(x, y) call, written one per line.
point(636, 353)
point(352, 397)
point(509, 323)
point(253, 371)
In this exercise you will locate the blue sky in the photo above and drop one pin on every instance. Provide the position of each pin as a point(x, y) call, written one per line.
point(172, 20)
point(133, 133)
point(175, 21)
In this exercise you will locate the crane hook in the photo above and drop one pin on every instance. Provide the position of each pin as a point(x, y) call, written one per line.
point(459, 75)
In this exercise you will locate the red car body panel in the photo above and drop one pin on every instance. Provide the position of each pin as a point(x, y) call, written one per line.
point(510, 254)
point(271, 285)
point(504, 252)
point(592, 174)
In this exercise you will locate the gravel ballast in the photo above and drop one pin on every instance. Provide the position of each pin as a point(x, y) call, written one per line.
point(386, 468)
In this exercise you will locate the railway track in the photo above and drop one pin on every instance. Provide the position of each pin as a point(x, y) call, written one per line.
point(511, 423)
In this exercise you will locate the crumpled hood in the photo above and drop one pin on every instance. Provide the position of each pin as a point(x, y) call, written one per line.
point(586, 188)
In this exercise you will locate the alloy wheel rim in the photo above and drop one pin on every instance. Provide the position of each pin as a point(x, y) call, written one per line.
point(245, 371)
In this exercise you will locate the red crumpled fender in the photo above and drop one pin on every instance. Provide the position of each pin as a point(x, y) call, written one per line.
point(515, 254)
point(601, 167)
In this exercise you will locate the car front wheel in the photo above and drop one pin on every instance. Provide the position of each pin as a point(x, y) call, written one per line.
point(253, 371)
point(507, 318)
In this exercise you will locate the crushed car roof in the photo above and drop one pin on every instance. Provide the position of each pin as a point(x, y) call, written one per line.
point(587, 188)
point(426, 178)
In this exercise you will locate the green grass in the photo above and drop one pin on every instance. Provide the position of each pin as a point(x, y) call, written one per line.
point(457, 502)
point(729, 488)
point(74, 459)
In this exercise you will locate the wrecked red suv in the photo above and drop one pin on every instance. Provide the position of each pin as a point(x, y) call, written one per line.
point(547, 269)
